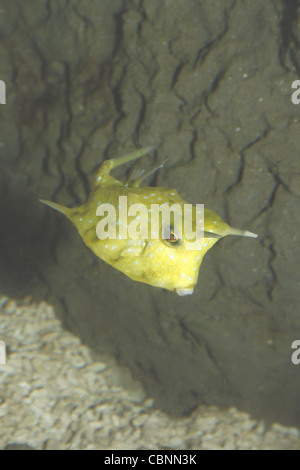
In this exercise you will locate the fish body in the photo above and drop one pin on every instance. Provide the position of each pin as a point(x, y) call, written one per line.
point(165, 261)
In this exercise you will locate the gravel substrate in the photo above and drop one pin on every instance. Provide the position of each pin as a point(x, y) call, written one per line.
point(55, 395)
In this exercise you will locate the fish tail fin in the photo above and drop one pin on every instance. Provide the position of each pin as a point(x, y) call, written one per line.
point(109, 165)
point(58, 207)
point(241, 233)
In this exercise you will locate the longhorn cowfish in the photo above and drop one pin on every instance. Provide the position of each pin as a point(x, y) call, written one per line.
point(166, 261)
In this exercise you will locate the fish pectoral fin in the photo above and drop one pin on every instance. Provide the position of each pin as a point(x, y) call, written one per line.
point(133, 251)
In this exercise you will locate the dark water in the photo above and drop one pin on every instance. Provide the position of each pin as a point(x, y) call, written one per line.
point(208, 83)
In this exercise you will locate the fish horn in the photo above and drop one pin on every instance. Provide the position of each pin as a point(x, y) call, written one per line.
point(241, 233)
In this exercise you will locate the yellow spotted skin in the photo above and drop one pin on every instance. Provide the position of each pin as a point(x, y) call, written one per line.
point(153, 261)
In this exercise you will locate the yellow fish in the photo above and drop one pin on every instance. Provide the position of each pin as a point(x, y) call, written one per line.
point(166, 261)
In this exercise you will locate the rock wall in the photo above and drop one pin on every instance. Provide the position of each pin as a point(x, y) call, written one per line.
point(208, 83)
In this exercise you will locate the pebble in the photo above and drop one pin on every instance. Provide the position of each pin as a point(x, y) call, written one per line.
point(9, 306)
point(140, 420)
point(54, 396)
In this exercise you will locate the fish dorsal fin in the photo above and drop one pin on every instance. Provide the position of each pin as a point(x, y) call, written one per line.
point(138, 176)
point(108, 165)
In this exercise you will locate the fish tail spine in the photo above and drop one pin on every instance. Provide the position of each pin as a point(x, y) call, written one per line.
point(58, 207)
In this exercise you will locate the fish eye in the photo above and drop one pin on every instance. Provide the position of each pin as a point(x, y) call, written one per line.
point(173, 237)
point(170, 237)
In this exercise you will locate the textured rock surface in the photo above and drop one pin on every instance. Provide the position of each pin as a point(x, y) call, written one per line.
point(55, 395)
point(209, 84)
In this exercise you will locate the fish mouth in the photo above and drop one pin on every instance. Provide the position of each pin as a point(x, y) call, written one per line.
point(183, 292)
